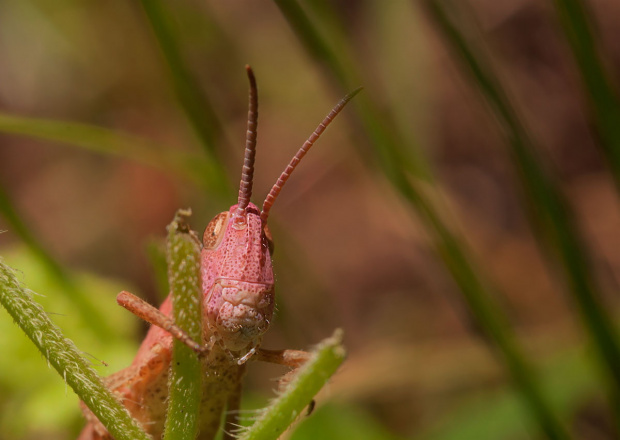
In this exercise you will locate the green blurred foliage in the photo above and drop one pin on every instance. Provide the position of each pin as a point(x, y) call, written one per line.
point(334, 421)
point(33, 399)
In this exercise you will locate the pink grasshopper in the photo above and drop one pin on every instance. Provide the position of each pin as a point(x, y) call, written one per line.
point(238, 286)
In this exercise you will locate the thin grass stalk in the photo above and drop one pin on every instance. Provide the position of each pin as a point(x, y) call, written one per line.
point(395, 165)
point(185, 378)
point(577, 23)
point(549, 211)
point(66, 359)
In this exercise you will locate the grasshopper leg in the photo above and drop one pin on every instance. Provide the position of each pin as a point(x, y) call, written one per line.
point(288, 358)
point(154, 316)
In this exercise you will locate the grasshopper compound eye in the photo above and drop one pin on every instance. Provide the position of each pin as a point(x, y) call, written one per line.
point(215, 231)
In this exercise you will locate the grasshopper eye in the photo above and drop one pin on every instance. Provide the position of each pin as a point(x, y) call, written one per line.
point(215, 231)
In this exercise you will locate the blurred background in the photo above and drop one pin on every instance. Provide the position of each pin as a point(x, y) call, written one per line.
point(415, 224)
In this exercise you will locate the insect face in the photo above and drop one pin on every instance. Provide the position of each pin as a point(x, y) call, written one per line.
point(239, 293)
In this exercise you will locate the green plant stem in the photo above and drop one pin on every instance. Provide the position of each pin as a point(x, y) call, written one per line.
point(185, 379)
point(576, 20)
point(549, 211)
point(62, 354)
point(308, 381)
point(394, 163)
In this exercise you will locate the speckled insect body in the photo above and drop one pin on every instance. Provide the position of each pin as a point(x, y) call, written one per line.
point(238, 303)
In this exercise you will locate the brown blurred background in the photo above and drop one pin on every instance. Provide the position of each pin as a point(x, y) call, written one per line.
point(348, 253)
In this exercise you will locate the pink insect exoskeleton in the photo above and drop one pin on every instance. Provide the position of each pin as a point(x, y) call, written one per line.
point(238, 303)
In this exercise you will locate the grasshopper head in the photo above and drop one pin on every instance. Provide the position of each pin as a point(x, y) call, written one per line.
point(236, 262)
point(237, 279)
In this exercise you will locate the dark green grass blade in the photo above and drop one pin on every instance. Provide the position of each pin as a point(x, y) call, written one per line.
point(393, 159)
point(197, 108)
point(185, 379)
point(549, 211)
point(489, 317)
point(66, 359)
point(576, 21)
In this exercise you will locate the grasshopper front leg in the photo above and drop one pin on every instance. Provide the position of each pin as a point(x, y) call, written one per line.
point(154, 316)
point(293, 359)
point(289, 358)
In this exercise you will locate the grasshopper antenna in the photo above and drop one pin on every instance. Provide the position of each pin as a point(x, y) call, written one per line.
point(275, 190)
point(247, 173)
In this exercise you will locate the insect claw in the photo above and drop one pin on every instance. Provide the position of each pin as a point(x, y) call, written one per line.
point(246, 356)
point(203, 351)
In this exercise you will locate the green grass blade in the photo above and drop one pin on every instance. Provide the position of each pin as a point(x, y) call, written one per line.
point(492, 323)
point(549, 211)
point(200, 170)
point(86, 309)
point(391, 151)
point(62, 354)
point(185, 380)
point(576, 20)
point(308, 381)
